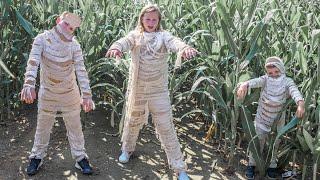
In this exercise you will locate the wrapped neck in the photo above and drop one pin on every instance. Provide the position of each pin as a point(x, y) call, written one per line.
point(63, 33)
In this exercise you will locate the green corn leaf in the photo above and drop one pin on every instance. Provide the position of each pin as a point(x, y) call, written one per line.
point(27, 26)
point(3, 65)
point(254, 146)
point(303, 143)
point(288, 126)
point(309, 140)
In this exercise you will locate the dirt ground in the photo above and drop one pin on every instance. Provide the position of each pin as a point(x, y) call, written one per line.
point(148, 162)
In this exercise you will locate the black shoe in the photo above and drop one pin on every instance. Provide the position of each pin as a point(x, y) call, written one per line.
point(84, 166)
point(34, 166)
point(272, 173)
point(250, 172)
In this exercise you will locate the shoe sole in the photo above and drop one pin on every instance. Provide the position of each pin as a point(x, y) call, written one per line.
point(78, 167)
point(35, 172)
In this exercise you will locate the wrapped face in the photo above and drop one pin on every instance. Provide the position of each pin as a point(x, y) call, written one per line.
point(150, 21)
point(69, 22)
point(274, 67)
point(67, 27)
point(273, 71)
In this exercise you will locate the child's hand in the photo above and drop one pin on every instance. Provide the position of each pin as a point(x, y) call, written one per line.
point(189, 53)
point(242, 90)
point(28, 94)
point(300, 109)
point(114, 53)
point(87, 104)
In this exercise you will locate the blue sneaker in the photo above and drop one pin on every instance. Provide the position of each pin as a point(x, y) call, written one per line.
point(124, 157)
point(250, 172)
point(271, 173)
point(34, 166)
point(183, 176)
point(84, 166)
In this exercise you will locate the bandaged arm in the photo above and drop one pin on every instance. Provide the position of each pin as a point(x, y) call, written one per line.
point(82, 75)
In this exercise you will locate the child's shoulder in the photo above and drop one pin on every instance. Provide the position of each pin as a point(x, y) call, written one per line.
point(75, 40)
point(165, 33)
point(263, 77)
point(289, 80)
point(41, 35)
point(134, 33)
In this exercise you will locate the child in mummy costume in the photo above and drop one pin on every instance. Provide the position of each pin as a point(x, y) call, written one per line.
point(61, 65)
point(276, 89)
point(148, 85)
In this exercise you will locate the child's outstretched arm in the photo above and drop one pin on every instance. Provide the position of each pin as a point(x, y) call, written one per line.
point(297, 97)
point(116, 53)
point(300, 109)
point(175, 44)
point(253, 83)
point(189, 53)
point(122, 45)
point(242, 90)
point(28, 93)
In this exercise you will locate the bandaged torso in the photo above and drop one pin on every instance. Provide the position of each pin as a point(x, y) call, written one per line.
point(273, 96)
point(152, 80)
point(148, 74)
point(61, 64)
point(149, 69)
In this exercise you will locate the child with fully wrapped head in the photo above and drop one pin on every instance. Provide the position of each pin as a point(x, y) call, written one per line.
point(61, 62)
point(276, 89)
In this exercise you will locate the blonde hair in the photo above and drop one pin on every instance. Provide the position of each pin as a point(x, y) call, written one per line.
point(147, 9)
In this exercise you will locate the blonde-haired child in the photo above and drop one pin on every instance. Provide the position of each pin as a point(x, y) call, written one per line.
point(148, 85)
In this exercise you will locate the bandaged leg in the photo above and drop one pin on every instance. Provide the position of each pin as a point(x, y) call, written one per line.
point(262, 136)
point(45, 122)
point(75, 134)
point(162, 117)
point(273, 162)
point(133, 125)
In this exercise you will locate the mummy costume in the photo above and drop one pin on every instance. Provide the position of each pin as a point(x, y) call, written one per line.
point(274, 93)
point(61, 65)
point(148, 90)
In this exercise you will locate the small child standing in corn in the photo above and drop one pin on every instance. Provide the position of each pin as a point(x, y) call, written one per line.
point(276, 89)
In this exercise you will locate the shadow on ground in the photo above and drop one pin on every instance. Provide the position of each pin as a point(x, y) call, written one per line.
point(148, 162)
